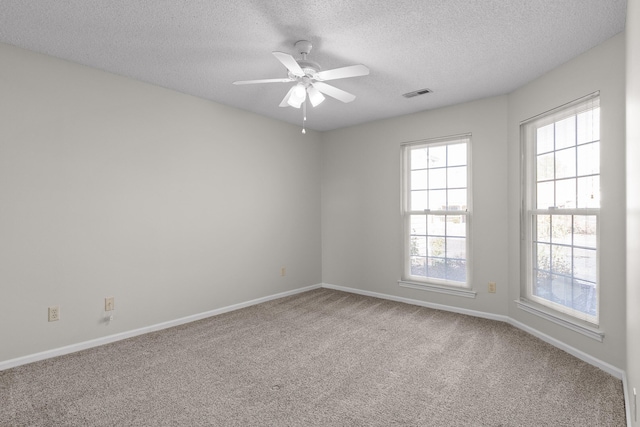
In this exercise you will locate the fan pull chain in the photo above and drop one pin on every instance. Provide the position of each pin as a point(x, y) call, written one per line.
point(304, 115)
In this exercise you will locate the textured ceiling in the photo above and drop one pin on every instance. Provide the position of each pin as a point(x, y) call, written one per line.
point(461, 49)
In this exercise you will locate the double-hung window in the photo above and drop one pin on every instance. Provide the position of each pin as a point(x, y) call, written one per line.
point(436, 211)
point(561, 207)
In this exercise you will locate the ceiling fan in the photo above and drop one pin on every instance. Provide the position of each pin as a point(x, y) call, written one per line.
point(310, 80)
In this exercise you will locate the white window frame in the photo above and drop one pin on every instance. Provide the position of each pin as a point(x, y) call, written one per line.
point(424, 282)
point(545, 307)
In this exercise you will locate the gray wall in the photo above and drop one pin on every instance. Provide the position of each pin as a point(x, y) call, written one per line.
point(171, 204)
point(361, 238)
point(361, 226)
point(633, 197)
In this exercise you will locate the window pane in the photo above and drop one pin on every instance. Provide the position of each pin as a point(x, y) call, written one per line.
point(589, 159)
point(589, 126)
point(436, 268)
point(457, 199)
point(589, 192)
point(541, 284)
point(456, 225)
point(561, 229)
point(566, 163)
point(419, 158)
point(457, 177)
point(573, 276)
point(419, 180)
point(418, 266)
point(438, 156)
point(437, 199)
point(418, 225)
point(543, 228)
point(436, 225)
point(418, 200)
point(566, 132)
point(456, 270)
point(545, 167)
point(561, 290)
point(584, 264)
point(418, 245)
point(435, 246)
point(544, 139)
point(543, 257)
point(585, 297)
point(456, 247)
point(545, 195)
point(437, 178)
point(457, 154)
point(566, 193)
point(561, 259)
point(585, 231)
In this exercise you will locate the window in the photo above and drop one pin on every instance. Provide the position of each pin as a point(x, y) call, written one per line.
point(561, 208)
point(436, 211)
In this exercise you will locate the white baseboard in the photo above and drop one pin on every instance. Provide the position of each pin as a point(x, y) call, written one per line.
point(11, 363)
point(627, 399)
point(610, 369)
point(459, 310)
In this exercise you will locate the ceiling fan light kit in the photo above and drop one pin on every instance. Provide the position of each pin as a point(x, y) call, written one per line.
point(310, 80)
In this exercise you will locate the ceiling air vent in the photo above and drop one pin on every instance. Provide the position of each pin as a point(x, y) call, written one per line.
point(417, 92)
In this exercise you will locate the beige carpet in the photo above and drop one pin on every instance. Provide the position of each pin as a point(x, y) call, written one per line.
point(321, 358)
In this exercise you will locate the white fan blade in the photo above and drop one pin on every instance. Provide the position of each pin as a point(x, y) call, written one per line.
point(285, 100)
point(334, 92)
point(289, 62)
point(344, 72)
point(250, 82)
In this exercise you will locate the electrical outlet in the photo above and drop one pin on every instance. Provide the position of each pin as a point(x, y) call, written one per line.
point(283, 271)
point(54, 313)
point(109, 304)
point(492, 287)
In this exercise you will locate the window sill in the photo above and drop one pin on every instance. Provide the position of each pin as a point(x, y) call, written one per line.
point(449, 290)
point(590, 332)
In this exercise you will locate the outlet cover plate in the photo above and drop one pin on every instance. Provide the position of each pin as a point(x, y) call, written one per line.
point(54, 313)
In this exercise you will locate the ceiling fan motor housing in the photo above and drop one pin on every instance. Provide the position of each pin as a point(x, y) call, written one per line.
point(303, 46)
point(310, 68)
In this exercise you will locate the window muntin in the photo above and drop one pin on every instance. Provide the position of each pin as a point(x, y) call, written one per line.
point(436, 211)
point(562, 209)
